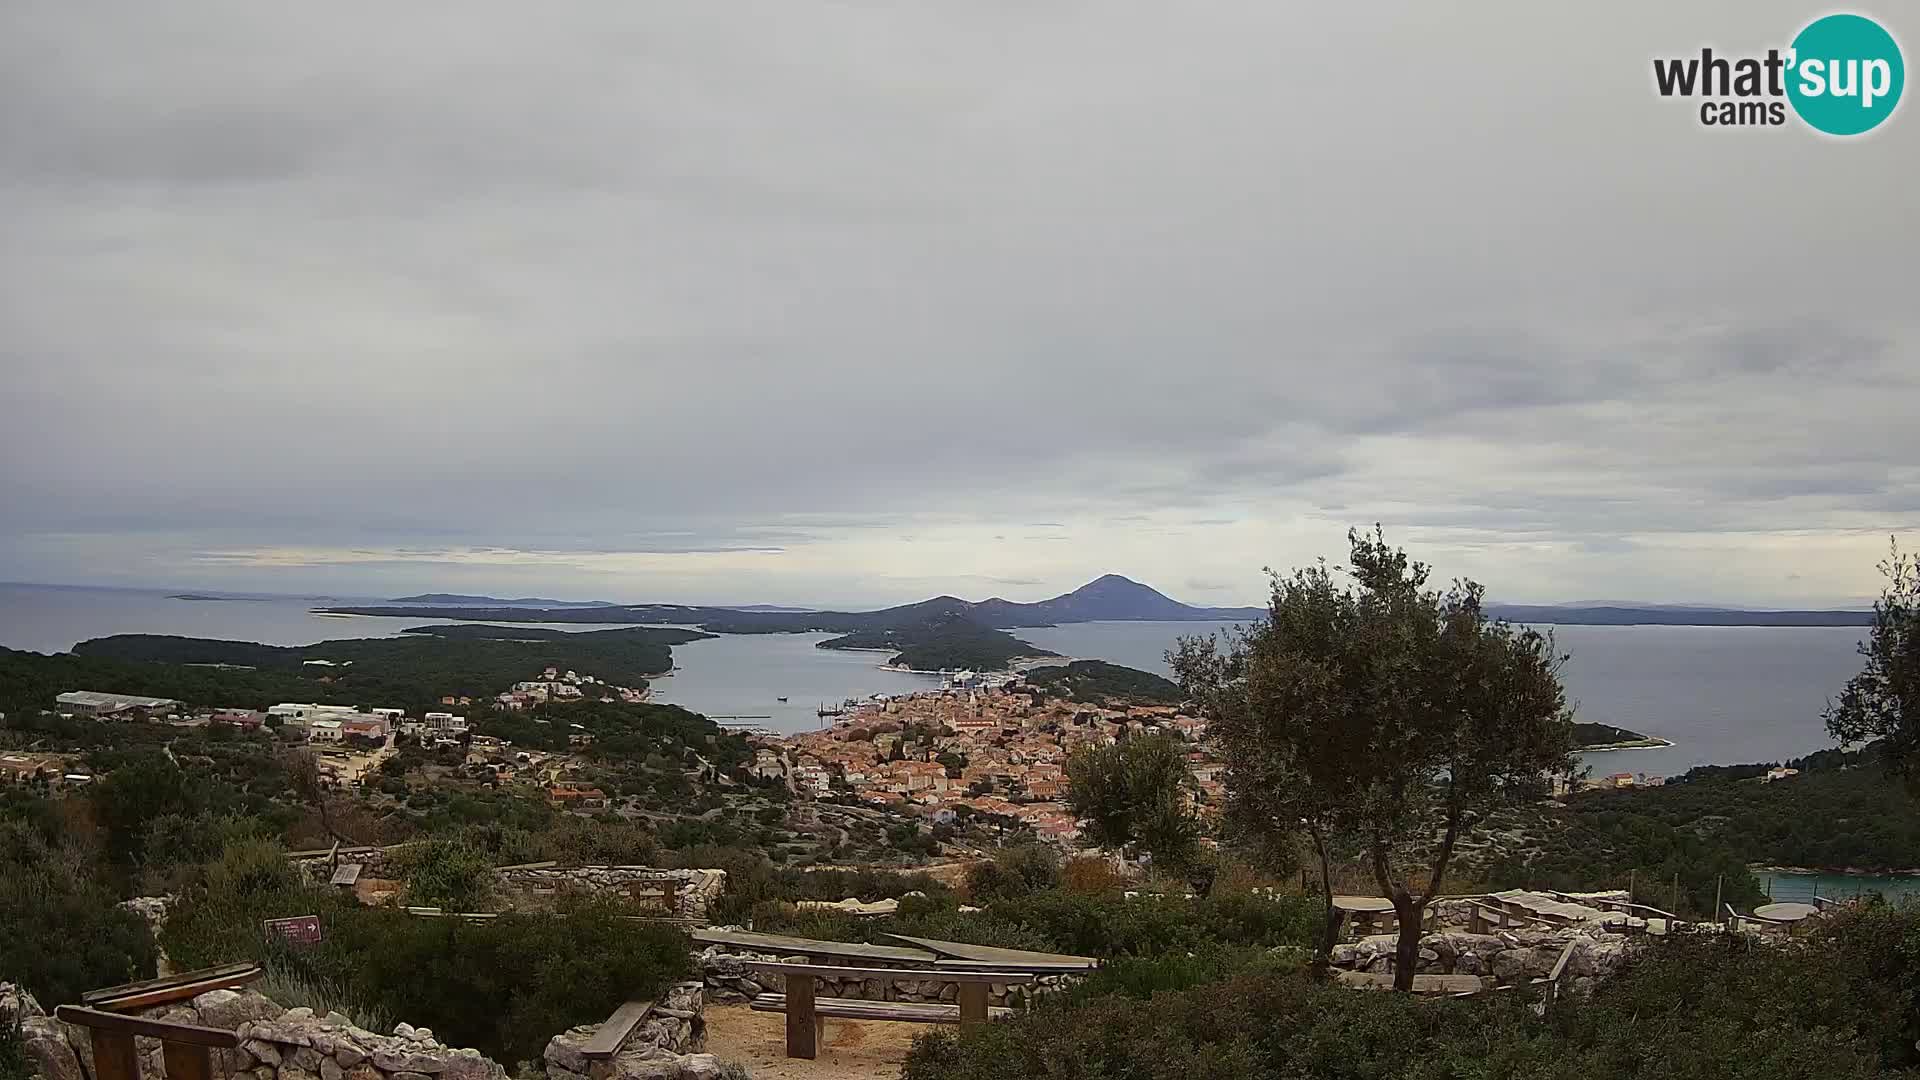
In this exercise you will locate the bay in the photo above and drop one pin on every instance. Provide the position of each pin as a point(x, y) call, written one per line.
point(1722, 695)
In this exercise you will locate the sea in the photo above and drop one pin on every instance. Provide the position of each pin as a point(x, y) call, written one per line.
point(1721, 695)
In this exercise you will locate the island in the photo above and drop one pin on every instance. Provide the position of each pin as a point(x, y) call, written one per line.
point(1592, 738)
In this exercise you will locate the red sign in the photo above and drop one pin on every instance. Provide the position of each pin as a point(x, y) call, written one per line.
point(299, 930)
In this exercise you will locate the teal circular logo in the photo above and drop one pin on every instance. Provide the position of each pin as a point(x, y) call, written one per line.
point(1846, 74)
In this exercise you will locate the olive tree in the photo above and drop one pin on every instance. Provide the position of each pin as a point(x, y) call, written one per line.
point(1883, 701)
point(1375, 714)
point(1132, 795)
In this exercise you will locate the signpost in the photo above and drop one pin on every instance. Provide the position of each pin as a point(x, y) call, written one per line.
point(299, 930)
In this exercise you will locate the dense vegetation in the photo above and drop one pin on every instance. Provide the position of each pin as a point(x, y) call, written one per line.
point(1843, 812)
point(502, 985)
point(941, 643)
point(1701, 1006)
point(1097, 680)
point(409, 672)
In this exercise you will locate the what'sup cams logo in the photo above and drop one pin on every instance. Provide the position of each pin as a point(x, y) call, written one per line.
point(1842, 75)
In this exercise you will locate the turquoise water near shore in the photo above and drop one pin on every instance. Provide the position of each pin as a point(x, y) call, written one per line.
point(1802, 888)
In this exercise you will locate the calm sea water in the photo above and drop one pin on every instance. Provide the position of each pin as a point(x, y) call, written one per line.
point(742, 675)
point(1723, 695)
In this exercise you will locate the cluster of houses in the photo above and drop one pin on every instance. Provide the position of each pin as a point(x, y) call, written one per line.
point(556, 685)
point(997, 751)
point(310, 721)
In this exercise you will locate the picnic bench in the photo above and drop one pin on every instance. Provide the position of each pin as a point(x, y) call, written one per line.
point(805, 1013)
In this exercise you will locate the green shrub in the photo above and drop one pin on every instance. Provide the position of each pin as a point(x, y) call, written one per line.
point(62, 932)
point(1014, 872)
point(447, 874)
point(1697, 1006)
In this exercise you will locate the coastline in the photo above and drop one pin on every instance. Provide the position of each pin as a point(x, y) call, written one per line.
point(1651, 742)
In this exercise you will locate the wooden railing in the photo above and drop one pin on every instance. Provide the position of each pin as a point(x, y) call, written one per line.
point(185, 1049)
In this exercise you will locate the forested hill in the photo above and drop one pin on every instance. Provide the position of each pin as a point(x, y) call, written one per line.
point(1097, 680)
point(407, 672)
point(942, 643)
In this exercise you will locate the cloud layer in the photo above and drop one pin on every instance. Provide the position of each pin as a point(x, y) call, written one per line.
point(849, 302)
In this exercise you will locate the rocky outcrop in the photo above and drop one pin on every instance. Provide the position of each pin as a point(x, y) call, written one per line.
point(275, 1044)
point(1508, 958)
point(664, 1047)
point(49, 1054)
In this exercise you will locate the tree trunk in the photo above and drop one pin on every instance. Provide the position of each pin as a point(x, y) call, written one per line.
point(1330, 933)
point(1406, 951)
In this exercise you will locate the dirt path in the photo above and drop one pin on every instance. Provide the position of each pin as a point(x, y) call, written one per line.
point(852, 1050)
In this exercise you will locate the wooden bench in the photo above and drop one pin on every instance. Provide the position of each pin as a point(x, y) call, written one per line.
point(185, 1049)
point(167, 989)
point(805, 1014)
point(614, 1030)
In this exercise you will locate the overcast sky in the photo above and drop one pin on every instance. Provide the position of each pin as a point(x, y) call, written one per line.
point(861, 302)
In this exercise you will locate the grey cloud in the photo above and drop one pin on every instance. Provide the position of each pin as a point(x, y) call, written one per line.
point(772, 277)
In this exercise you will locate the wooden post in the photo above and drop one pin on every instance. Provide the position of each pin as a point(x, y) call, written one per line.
point(1673, 905)
point(113, 1056)
point(185, 1061)
point(670, 896)
point(973, 1003)
point(1718, 884)
point(803, 1029)
point(1630, 874)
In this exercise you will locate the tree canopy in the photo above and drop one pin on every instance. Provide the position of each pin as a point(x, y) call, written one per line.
point(1375, 711)
point(1883, 701)
point(1131, 795)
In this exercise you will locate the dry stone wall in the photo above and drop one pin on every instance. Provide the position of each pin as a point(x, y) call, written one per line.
point(1508, 958)
point(665, 1047)
point(694, 890)
point(295, 1044)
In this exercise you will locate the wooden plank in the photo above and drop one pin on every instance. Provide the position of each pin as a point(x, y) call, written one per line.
point(906, 1012)
point(113, 1054)
point(1027, 969)
point(1560, 965)
point(780, 943)
point(803, 1027)
point(613, 1031)
point(963, 976)
point(163, 995)
point(973, 1003)
point(175, 979)
point(1006, 959)
point(186, 1061)
point(121, 1024)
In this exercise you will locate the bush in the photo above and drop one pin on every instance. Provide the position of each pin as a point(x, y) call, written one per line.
point(447, 874)
point(63, 933)
point(1014, 872)
point(1697, 1006)
point(503, 985)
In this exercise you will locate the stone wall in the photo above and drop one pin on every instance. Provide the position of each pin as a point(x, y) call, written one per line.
point(295, 1044)
point(728, 980)
point(665, 1047)
point(694, 889)
point(1509, 958)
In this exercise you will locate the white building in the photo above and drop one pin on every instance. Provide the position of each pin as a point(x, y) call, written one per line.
point(445, 723)
point(324, 730)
